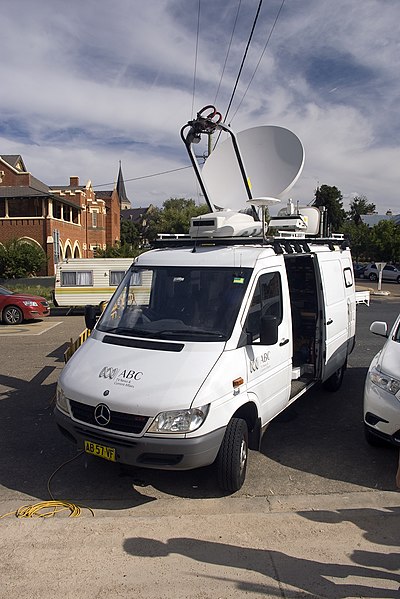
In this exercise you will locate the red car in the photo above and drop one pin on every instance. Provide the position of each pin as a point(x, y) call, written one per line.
point(16, 307)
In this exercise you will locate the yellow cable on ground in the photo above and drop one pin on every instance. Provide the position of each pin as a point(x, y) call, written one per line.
point(52, 507)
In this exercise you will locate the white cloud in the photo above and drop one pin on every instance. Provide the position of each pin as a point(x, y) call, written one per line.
point(86, 84)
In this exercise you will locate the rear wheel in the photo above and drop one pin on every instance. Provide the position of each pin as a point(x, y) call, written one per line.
point(373, 277)
point(12, 315)
point(233, 455)
point(335, 380)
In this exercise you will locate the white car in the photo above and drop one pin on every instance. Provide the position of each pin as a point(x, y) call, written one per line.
point(382, 389)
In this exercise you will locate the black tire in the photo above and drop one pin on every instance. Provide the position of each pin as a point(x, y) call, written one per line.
point(12, 315)
point(398, 279)
point(233, 455)
point(335, 380)
point(373, 277)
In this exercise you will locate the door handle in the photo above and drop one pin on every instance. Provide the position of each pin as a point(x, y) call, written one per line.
point(329, 321)
point(283, 342)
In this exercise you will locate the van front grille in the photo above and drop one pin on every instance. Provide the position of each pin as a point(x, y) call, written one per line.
point(119, 421)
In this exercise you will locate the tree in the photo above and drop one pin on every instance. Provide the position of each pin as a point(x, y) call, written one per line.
point(385, 240)
point(330, 198)
point(173, 217)
point(360, 206)
point(20, 259)
point(359, 237)
point(130, 234)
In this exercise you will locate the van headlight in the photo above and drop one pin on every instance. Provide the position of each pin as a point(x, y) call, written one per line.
point(179, 421)
point(382, 380)
point(61, 400)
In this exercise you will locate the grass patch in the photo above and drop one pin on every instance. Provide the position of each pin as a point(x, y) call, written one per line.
point(45, 292)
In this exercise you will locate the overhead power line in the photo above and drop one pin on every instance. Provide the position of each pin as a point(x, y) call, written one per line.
point(173, 170)
point(259, 60)
point(228, 51)
point(243, 59)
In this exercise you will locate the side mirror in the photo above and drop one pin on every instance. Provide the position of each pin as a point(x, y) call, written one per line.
point(268, 330)
point(379, 328)
point(90, 317)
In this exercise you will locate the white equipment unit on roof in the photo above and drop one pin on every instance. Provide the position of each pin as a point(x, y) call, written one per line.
point(225, 223)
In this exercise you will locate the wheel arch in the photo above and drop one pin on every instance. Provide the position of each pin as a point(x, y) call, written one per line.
point(249, 413)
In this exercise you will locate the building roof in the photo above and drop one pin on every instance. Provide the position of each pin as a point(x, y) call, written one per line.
point(135, 214)
point(123, 198)
point(104, 194)
point(373, 219)
point(15, 160)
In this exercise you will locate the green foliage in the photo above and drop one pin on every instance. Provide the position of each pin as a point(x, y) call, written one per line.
point(331, 198)
point(360, 239)
point(173, 217)
point(130, 234)
point(20, 259)
point(118, 251)
point(385, 241)
point(359, 206)
point(40, 290)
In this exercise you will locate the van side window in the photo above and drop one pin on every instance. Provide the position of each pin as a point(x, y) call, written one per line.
point(267, 300)
point(79, 278)
point(348, 277)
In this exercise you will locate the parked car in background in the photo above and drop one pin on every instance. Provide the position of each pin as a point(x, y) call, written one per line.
point(359, 270)
point(389, 273)
point(17, 307)
point(382, 389)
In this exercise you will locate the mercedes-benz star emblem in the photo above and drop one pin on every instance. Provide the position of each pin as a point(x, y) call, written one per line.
point(102, 414)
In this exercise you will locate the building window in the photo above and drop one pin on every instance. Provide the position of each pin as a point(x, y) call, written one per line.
point(80, 278)
point(94, 219)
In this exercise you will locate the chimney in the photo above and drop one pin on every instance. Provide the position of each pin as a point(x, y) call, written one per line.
point(74, 181)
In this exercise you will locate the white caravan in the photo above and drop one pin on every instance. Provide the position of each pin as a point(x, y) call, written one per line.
point(207, 339)
point(88, 281)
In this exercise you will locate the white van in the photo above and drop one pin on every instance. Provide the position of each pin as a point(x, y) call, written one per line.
point(199, 350)
point(88, 281)
point(207, 339)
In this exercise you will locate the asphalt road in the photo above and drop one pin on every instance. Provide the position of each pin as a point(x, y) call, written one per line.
point(318, 515)
point(316, 447)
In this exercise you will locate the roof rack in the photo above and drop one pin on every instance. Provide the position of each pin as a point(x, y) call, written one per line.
point(281, 245)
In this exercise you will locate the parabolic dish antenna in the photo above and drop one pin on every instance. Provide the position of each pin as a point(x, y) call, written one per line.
point(273, 159)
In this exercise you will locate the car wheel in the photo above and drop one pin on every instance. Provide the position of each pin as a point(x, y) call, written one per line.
point(12, 315)
point(398, 279)
point(373, 277)
point(233, 455)
point(335, 380)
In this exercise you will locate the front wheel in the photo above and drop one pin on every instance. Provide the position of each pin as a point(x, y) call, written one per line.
point(12, 315)
point(233, 455)
point(373, 277)
point(335, 380)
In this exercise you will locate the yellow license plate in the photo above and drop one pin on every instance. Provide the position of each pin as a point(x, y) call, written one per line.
point(108, 453)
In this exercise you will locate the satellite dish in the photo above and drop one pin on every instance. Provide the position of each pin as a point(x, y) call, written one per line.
point(273, 159)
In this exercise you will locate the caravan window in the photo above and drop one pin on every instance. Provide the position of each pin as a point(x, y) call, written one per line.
point(116, 277)
point(79, 278)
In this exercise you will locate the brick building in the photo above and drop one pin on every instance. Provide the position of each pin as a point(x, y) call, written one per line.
point(66, 221)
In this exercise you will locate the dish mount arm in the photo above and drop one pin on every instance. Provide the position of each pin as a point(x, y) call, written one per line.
point(207, 124)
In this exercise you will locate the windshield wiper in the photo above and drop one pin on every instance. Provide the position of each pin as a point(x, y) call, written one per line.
point(191, 332)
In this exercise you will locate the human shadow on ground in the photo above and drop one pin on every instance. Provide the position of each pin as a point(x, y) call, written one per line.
point(304, 575)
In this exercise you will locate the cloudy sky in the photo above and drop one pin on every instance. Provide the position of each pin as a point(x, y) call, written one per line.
point(85, 84)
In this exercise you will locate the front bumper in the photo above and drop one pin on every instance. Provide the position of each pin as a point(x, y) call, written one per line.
point(381, 413)
point(164, 453)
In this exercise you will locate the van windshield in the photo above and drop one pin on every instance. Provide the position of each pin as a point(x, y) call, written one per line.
point(184, 303)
